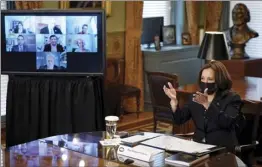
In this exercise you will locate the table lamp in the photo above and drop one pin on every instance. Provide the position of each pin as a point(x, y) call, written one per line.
point(214, 47)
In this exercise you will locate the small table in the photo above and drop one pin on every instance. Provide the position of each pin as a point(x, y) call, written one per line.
point(249, 88)
point(82, 149)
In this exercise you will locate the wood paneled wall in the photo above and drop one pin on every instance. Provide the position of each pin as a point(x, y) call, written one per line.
point(115, 44)
point(115, 50)
point(133, 55)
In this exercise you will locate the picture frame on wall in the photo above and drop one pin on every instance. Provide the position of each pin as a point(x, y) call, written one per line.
point(169, 35)
point(87, 5)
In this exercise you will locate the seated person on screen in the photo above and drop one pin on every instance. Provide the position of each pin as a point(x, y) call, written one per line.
point(21, 46)
point(53, 46)
point(50, 63)
point(81, 46)
point(84, 29)
point(215, 110)
point(19, 29)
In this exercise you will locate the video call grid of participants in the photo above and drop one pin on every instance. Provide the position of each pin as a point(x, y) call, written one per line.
point(51, 37)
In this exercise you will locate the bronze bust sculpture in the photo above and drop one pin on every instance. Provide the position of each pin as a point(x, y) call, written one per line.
point(239, 34)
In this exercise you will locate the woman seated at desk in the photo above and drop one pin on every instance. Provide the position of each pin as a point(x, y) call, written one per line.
point(215, 111)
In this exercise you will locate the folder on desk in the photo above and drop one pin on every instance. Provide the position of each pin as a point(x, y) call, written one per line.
point(174, 144)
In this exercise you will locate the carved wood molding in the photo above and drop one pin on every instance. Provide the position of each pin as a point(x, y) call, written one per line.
point(133, 54)
point(192, 9)
point(213, 12)
point(19, 5)
point(107, 5)
point(115, 44)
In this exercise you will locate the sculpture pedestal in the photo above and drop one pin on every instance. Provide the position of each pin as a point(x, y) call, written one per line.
point(245, 67)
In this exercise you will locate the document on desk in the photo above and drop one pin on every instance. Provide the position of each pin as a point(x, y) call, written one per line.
point(139, 138)
point(171, 143)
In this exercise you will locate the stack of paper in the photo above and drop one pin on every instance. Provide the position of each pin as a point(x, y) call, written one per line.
point(172, 143)
point(134, 140)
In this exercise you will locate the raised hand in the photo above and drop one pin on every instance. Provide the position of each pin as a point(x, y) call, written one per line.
point(171, 93)
point(201, 98)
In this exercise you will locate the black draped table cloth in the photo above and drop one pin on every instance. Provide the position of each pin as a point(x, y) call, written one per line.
point(39, 106)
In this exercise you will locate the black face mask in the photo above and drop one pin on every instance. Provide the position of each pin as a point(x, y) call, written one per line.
point(211, 87)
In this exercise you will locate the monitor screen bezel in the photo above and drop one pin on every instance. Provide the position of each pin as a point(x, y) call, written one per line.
point(64, 11)
point(144, 36)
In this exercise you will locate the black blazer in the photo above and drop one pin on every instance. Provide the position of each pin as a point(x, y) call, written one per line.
point(16, 31)
point(55, 67)
point(218, 124)
point(15, 48)
point(59, 48)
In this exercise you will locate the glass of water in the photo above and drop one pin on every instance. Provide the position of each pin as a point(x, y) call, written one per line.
point(111, 125)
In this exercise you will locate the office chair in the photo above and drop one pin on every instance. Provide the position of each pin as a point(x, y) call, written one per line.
point(248, 137)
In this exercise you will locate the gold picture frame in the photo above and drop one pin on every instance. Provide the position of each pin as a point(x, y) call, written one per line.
point(87, 5)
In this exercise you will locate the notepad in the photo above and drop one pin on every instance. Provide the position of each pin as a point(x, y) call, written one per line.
point(182, 159)
point(171, 143)
point(110, 142)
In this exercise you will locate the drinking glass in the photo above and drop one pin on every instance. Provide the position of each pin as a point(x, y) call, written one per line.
point(111, 125)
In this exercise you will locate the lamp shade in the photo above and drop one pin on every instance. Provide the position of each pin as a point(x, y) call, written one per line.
point(214, 47)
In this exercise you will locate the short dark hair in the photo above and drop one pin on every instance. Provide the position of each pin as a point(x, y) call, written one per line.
point(222, 77)
point(21, 36)
point(84, 25)
point(52, 36)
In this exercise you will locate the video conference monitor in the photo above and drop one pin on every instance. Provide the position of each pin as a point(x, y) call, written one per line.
point(152, 26)
point(53, 42)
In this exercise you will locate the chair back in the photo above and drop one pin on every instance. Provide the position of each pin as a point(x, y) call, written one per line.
point(251, 111)
point(114, 71)
point(248, 137)
point(159, 100)
point(113, 78)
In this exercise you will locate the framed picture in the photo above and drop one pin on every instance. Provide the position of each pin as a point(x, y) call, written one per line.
point(87, 5)
point(186, 38)
point(169, 34)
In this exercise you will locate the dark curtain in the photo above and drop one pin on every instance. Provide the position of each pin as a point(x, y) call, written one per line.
point(38, 107)
point(10, 5)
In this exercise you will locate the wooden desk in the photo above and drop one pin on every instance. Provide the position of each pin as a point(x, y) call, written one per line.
point(244, 67)
point(82, 149)
point(249, 88)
